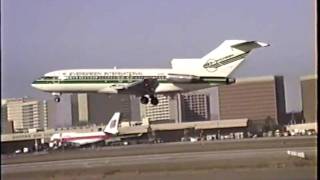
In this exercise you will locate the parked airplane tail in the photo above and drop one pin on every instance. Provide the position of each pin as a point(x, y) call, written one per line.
point(112, 126)
point(221, 61)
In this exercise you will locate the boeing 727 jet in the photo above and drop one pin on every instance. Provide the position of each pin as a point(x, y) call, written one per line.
point(185, 75)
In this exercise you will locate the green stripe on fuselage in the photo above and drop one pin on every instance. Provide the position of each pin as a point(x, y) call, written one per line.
point(94, 81)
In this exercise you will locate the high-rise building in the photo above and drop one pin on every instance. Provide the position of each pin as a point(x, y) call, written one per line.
point(164, 112)
point(79, 108)
point(94, 108)
point(6, 126)
point(26, 113)
point(259, 98)
point(119, 103)
point(60, 113)
point(214, 103)
point(53, 113)
point(309, 98)
point(195, 107)
point(178, 108)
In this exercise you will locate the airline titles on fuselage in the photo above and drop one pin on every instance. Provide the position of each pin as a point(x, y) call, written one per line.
point(103, 74)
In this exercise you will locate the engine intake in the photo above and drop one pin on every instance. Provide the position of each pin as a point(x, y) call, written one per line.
point(231, 80)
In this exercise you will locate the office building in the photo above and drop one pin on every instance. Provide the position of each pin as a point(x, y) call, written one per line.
point(164, 112)
point(195, 107)
point(186, 107)
point(6, 126)
point(309, 98)
point(259, 98)
point(94, 108)
point(26, 113)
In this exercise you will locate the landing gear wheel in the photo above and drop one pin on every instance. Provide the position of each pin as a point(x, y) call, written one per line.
point(154, 101)
point(57, 99)
point(144, 100)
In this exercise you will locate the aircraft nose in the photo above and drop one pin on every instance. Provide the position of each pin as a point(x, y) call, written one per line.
point(34, 84)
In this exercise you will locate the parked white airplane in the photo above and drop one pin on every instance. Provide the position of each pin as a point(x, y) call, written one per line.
point(185, 75)
point(80, 139)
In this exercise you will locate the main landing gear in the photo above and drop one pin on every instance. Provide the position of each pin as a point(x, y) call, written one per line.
point(153, 100)
point(144, 100)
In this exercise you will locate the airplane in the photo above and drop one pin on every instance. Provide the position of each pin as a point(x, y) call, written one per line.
point(87, 138)
point(185, 75)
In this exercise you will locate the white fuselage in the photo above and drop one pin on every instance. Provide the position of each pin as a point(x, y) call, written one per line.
point(79, 138)
point(109, 80)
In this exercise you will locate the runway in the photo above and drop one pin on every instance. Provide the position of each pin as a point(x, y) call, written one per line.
point(262, 163)
point(273, 153)
point(205, 146)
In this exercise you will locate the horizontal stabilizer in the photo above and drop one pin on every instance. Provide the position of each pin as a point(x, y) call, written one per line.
point(249, 45)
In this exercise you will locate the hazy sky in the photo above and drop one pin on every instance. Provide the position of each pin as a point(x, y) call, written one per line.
point(39, 36)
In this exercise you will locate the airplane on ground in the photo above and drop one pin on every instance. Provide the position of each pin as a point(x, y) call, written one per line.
point(87, 138)
point(185, 75)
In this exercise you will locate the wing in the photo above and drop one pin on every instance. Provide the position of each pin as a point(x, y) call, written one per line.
point(140, 88)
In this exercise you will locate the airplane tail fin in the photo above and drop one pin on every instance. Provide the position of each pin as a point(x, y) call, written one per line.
point(221, 61)
point(112, 126)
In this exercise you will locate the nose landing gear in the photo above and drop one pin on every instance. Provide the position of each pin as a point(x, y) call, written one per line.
point(56, 97)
